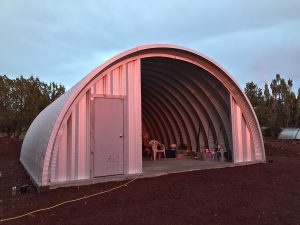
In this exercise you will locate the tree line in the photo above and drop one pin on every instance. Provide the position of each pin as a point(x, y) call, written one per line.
point(276, 105)
point(21, 100)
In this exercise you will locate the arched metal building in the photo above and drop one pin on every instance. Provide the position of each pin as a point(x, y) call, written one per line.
point(163, 91)
point(290, 134)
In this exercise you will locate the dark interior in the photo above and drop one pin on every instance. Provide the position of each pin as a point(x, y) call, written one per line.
point(184, 104)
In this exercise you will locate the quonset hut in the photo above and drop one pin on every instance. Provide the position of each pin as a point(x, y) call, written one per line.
point(163, 91)
point(290, 134)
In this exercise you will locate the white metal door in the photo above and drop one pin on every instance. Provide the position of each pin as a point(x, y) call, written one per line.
point(108, 137)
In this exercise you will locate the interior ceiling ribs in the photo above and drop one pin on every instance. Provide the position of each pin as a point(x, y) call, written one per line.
point(178, 97)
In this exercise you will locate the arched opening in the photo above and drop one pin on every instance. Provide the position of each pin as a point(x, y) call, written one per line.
point(180, 99)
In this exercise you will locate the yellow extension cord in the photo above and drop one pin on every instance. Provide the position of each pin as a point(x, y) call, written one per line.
point(69, 201)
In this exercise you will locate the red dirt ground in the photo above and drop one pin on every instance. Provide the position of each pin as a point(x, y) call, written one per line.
point(256, 194)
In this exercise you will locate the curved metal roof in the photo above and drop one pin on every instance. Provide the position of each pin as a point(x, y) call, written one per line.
point(40, 138)
point(290, 133)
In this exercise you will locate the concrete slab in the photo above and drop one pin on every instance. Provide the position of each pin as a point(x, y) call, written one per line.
point(174, 165)
point(157, 168)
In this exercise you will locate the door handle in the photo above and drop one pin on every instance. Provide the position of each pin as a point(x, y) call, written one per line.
point(121, 135)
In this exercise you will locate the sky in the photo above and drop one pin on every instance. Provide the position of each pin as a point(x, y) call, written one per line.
point(62, 41)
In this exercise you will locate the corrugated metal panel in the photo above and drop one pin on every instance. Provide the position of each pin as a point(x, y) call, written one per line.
point(242, 144)
point(73, 147)
point(249, 149)
point(78, 156)
point(33, 153)
point(83, 151)
point(69, 147)
point(254, 129)
point(236, 131)
point(134, 120)
point(61, 168)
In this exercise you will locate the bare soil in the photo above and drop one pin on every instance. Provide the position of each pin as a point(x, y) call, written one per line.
point(267, 193)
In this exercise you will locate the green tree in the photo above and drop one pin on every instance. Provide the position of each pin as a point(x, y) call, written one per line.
point(254, 93)
point(278, 108)
point(22, 100)
point(268, 104)
point(284, 100)
point(6, 105)
point(256, 97)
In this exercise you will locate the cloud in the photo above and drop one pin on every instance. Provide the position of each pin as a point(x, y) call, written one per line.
point(258, 54)
point(64, 40)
